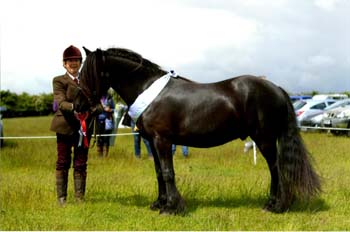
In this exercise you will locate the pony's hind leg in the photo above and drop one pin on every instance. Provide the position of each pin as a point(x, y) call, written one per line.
point(269, 151)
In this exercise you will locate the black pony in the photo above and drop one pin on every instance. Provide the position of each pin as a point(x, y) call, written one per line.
point(205, 115)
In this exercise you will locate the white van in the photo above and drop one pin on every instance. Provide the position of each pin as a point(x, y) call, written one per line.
point(337, 96)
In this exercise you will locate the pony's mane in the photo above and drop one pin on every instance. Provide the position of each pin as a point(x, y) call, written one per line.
point(133, 56)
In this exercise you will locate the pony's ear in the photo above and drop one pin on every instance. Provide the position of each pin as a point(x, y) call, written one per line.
point(98, 52)
point(87, 51)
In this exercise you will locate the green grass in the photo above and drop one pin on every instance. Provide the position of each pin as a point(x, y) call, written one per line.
point(222, 187)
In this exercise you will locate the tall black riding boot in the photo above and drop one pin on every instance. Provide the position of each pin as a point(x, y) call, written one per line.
point(79, 185)
point(61, 186)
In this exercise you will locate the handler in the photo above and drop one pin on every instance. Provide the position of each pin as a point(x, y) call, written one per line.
point(67, 126)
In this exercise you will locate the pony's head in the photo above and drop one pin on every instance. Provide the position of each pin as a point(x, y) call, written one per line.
point(127, 72)
point(94, 81)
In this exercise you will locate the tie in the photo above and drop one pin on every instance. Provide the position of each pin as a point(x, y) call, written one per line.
point(76, 81)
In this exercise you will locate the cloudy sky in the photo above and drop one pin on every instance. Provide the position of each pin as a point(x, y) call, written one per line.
point(301, 45)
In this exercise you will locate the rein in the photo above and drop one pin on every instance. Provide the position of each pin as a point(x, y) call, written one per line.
point(95, 136)
point(138, 66)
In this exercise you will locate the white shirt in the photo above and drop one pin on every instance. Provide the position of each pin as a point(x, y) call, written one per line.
point(73, 77)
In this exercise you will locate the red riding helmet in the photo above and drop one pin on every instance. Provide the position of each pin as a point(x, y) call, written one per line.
point(72, 53)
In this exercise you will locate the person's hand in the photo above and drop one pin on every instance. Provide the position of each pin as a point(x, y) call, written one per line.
point(76, 115)
point(81, 116)
point(107, 109)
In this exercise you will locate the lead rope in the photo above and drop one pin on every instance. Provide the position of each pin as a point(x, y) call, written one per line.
point(93, 123)
point(95, 135)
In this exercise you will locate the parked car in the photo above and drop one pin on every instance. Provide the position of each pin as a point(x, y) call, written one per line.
point(316, 120)
point(309, 108)
point(299, 97)
point(338, 118)
point(336, 96)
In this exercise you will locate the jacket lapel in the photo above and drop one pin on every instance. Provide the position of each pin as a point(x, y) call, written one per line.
point(70, 80)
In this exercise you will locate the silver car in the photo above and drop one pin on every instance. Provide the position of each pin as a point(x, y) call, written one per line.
point(338, 118)
point(305, 109)
point(316, 120)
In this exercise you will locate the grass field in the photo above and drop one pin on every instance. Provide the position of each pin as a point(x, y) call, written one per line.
point(222, 187)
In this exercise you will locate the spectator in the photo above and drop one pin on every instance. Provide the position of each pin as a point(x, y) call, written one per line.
point(105, 125)
point(184, 150)
point(137, 143)
point(118, 114)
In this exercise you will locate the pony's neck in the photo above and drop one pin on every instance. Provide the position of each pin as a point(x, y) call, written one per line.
point(135, 84)
point(130, 78)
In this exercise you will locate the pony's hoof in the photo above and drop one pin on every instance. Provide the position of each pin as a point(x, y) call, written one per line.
point(178, 209)
point(158, 204)
point(165, 212)
point(168, 211)
point(155, 206)
point(274, 207)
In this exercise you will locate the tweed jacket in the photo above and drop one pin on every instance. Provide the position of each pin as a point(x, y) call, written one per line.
point(64, 121)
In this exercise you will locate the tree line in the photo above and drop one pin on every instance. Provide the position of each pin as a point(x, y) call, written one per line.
point(24, 104)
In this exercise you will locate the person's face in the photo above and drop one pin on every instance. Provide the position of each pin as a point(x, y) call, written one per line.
point(72, 66)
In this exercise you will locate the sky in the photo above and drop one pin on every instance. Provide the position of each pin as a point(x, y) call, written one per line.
point(301, 45)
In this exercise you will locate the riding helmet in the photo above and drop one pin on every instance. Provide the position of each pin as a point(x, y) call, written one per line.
point(72, 53)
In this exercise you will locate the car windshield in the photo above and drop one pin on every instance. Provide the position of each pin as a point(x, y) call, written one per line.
point(342, 103)
point(298, 104)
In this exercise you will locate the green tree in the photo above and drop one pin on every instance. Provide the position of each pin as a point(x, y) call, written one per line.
point(25, 104)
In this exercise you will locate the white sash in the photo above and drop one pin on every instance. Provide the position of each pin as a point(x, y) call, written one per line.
point(147, 96)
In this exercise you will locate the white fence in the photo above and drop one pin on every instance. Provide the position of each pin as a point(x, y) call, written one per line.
point(303, 128)
point(323, 128)
point(53, 136)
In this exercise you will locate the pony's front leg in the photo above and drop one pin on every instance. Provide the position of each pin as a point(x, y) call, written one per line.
point(162, 196)
point(175, 204)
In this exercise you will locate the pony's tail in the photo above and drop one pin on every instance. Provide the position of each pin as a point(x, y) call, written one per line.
point(296, 174)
